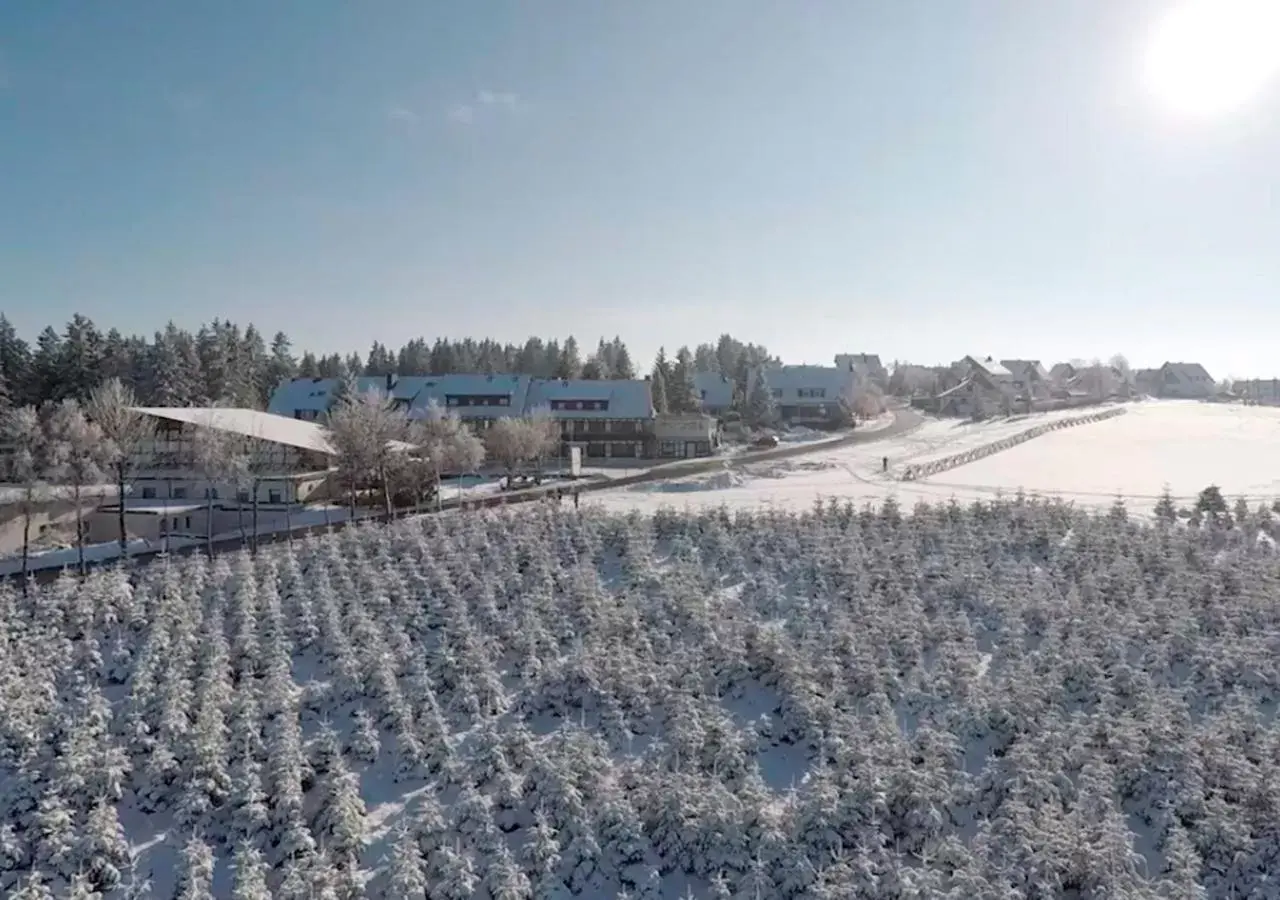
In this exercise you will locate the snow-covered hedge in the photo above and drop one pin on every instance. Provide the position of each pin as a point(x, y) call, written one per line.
point(956, 460)
point(1008, 699)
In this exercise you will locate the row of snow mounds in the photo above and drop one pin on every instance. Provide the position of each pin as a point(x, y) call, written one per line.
point(956, 460)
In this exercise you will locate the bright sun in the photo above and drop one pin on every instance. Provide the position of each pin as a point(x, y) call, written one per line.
point(1212, 57)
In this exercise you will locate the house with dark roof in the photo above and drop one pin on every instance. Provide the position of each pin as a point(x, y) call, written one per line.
point(1187, 381)
point(1147, 381)
point(816, 396)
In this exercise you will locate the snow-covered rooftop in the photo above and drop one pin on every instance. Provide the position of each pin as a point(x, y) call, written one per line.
point(716, 390)
point(249, 423)
point(829, 382)
point(629, 399)
point(988, 366)
point(508, 394)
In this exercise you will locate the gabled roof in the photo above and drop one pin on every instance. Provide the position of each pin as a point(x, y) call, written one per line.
point(715, 389)
point(249, 423)
point(790, 380)
point(1189, 371)
point(988, 366)
point(439, 388)
point(627, 398)
point(315, 394)
point(870, 360)
point(1024, 368)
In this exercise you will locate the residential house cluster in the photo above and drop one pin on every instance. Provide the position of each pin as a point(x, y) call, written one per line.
point(978, 386)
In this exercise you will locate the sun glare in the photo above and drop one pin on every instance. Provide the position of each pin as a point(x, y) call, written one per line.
point(1212, 57)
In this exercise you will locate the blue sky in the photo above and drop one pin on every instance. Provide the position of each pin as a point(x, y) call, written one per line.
point(917, 178)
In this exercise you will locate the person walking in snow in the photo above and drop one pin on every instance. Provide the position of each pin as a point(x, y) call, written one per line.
point(885, 462)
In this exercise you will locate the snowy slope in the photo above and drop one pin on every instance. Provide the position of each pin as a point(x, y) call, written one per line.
point(1182, 444)
point(1013, 700)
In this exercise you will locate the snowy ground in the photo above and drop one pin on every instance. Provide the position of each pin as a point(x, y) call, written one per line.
point(1182, 444)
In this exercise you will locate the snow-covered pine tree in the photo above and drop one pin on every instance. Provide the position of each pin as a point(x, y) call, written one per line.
point(407, 874)
point(249, 874)
point(195, 871)
point(762, 409)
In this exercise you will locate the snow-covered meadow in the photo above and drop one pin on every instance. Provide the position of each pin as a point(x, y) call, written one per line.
point(1184, 445)
point(1007, 699)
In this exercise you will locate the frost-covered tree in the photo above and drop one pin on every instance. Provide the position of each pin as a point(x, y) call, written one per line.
point(79, 445)
point(365, 432)
point(444, 445)
point(195, 871)
point(249, 874)
point(762, 409)
point(407, 876)
point(27, 466)
point(113, 408)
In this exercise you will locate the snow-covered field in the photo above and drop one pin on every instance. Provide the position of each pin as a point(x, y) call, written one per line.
point(1182, 444)
point(1005, 700)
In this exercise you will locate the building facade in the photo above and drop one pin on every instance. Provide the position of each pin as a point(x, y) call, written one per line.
point(715, 391)
point(1187, 381)
point(288, 460)
point(606, 419)
point(685, 436)
point(812, 396)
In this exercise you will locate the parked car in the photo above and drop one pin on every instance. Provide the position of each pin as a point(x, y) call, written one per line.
point(765, 442)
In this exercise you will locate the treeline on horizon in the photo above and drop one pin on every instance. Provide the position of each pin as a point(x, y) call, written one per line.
point(224, 363)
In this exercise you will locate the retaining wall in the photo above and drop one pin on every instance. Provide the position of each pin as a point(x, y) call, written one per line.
point(954, 461)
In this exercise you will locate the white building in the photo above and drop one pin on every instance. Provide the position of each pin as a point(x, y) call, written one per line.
point(290, 462)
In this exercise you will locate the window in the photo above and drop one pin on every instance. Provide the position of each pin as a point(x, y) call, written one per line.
point(180, 493)
point(242, 495)
point(777, 393)
point(211, 493)
point(148, 493)
point(188, 523)
point(273, 495)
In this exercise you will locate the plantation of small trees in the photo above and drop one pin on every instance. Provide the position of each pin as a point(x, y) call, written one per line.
point(1012, 699)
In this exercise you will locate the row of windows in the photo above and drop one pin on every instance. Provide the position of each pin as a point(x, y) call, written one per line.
point(477, 400)
point(608, 426)
point(803, 393)
point(597, 405)
point(180, 493)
